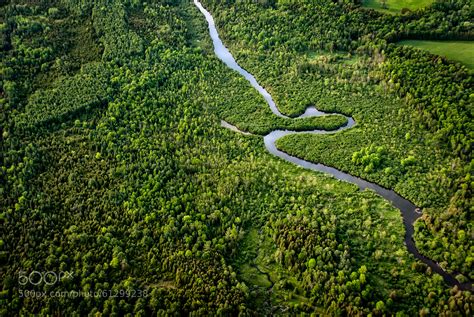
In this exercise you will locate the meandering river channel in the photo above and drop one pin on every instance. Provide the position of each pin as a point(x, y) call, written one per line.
point(407, 208)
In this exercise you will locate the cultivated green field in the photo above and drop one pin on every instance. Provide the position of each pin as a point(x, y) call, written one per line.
point(460, 51)
point(395, 6)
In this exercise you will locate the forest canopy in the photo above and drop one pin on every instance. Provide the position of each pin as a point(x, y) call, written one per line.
point(117, 177)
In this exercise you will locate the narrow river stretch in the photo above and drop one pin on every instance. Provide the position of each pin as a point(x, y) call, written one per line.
point(407, 208)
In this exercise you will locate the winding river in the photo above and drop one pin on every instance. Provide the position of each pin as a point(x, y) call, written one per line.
point(407, 208)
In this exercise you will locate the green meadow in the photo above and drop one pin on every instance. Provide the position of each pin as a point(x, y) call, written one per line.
point(460, 51)
point(395, 6)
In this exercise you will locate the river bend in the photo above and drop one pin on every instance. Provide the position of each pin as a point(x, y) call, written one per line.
point(407, 208)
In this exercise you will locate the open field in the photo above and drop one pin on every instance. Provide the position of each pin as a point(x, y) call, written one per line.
point(395, 6)
point(460, 51)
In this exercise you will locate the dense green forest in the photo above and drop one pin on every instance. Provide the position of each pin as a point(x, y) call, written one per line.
point(115, 170)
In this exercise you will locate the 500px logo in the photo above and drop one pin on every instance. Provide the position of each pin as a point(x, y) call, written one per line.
point(48, 278)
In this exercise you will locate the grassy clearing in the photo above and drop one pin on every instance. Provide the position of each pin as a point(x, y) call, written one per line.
point(252, 276)
point(460, 51)
point(343, 58)
point(250, 259)
point(395, 6)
